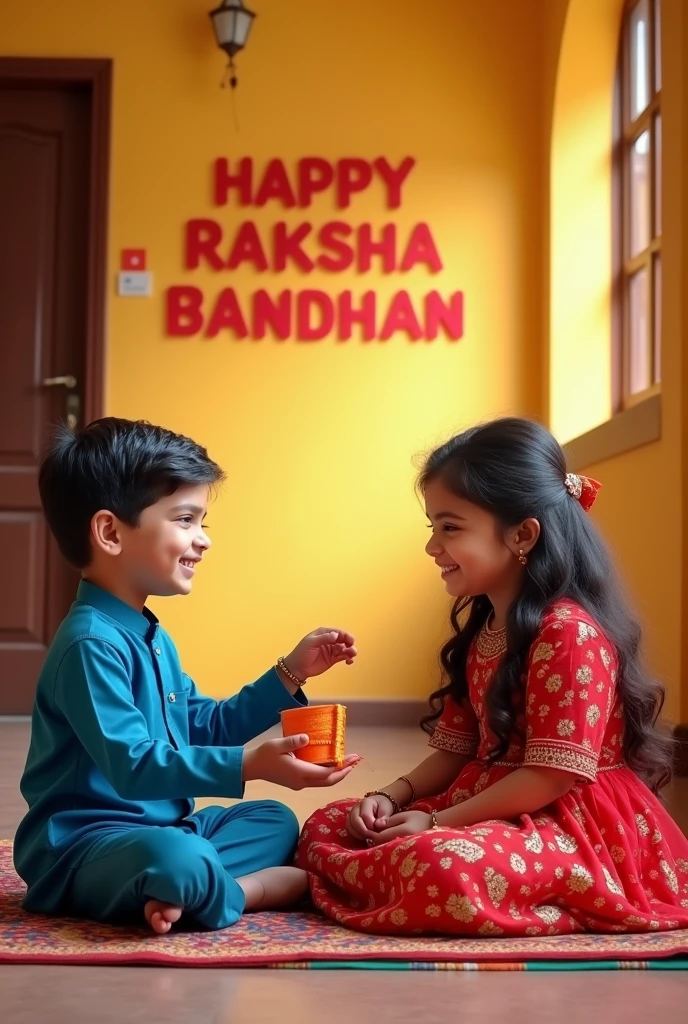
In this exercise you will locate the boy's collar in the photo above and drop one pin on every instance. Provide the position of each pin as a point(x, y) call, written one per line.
point(138, 622)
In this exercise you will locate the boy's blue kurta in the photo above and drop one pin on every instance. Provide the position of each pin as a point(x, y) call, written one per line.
point(122, 742)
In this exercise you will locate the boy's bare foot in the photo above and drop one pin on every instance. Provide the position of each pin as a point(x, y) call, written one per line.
point(274, 887)
point(161, 916)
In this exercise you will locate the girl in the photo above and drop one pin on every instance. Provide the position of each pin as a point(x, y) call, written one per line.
point(537, 812)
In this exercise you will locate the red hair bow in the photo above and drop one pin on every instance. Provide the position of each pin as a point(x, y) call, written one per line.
point(583, 488)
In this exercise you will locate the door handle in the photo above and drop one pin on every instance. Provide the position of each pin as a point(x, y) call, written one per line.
point(73, 410)
point(66, 381)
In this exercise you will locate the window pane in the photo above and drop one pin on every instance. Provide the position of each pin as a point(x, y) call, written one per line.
point(658, 45)
point(639, 375)
point(658, 320)
point(658, 174)
point(639, 211)
point(640, 71)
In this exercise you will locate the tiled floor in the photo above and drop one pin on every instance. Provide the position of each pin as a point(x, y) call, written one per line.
point(95, 995)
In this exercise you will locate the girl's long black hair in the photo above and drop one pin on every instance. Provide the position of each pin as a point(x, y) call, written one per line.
point(515, 469)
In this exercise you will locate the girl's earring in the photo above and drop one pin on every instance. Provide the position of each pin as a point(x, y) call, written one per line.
point(522, 557)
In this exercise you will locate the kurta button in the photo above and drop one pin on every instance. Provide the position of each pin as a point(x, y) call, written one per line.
point(172, 697)
point(157, 650)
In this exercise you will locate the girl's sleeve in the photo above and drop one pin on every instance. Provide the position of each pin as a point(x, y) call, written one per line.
point(457, 729)
point(570, 692)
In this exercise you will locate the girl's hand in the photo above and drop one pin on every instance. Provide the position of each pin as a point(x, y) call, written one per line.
point(362, 817)
point(408, 823)
point(319, 651)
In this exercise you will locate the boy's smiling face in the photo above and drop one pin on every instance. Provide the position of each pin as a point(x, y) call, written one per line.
point(157, 557)
point(160, 555)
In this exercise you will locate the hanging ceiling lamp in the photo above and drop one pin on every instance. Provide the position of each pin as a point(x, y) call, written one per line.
point(232, 23)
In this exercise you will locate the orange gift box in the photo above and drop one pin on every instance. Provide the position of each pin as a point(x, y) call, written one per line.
point(325, 726)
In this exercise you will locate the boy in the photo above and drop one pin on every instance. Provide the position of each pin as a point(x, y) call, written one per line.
point(122, 741)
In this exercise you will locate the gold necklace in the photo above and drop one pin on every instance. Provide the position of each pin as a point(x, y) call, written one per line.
point(491, 643)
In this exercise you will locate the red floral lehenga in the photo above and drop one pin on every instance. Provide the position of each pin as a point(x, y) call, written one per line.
point(606, 857)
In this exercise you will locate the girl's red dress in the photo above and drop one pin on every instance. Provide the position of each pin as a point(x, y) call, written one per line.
point(606, 857)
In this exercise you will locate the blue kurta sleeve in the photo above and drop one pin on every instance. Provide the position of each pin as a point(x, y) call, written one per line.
point(93, 691)
point(241, 718)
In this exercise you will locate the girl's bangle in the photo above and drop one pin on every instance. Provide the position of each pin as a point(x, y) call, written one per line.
point(403, 778)
point(380, 792)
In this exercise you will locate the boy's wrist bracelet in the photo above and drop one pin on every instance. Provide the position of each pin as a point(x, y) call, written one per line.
point(282, 666)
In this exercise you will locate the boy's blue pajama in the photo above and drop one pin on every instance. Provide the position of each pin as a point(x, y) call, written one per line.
point(121, 743)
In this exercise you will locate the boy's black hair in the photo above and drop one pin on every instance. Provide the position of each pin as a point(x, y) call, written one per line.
point(120, 465)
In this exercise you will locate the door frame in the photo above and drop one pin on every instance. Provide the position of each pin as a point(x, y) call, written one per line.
point(44, 72)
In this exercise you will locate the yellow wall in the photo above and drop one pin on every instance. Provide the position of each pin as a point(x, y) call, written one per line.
point(580, 205)
point(553, 21)
point(641, 509)
point(675, 184)
point(319, 523)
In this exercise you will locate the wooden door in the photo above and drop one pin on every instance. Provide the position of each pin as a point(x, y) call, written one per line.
point(45, 237)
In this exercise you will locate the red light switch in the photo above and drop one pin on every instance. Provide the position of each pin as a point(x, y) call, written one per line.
point(133, 259)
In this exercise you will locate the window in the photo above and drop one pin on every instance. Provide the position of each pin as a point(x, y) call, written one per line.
point(638, 202)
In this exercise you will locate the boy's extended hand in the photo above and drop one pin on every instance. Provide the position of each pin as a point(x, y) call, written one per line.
point(274, 761)
point(319, 651)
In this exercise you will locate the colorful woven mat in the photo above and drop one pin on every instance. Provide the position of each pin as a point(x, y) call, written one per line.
point(304, 941)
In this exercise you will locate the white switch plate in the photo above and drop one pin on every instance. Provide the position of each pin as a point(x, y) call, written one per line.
point(135, 283)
